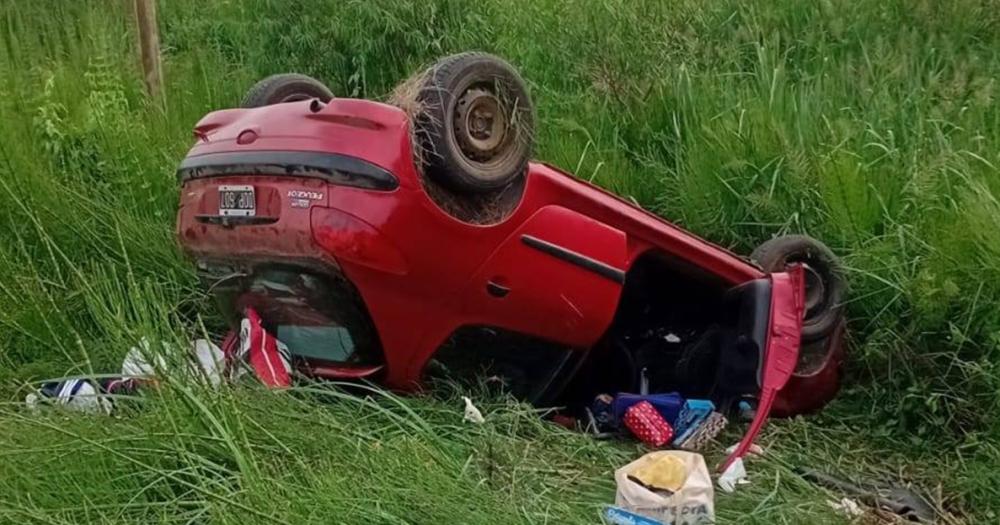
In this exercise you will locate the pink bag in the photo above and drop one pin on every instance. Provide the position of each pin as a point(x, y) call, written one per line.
point(648, 425)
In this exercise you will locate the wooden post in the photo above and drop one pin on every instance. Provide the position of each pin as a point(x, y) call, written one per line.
point(149, 45)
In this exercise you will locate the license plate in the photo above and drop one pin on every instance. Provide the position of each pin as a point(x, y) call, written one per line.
point(237, 201)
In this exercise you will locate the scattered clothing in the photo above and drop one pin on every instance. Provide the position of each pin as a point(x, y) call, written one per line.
point(252, 350)
point(268, 358)
point(211, 361)
point(703, 433)
point(136, 364)
point(205, 362)
point(602, 410)
point(82, 395)
point(692, 414)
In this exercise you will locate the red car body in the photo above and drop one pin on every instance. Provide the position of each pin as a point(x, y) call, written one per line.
point(554, 268)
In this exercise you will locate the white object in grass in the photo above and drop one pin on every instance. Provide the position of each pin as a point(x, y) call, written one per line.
point(735, 475)
point(754, 450)
point(141, 362)
point(472, 414)
point(78, 395)
point(846, 506)
point(211, 361)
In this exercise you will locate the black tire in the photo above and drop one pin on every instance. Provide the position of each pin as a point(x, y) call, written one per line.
point(285, 87)
point(474, 122)
point(826, 287)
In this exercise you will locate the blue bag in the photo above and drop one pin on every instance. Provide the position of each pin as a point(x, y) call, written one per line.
point(668, 405)
point(692, 415)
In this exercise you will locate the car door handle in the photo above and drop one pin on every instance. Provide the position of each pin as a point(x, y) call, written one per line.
point(497, 290)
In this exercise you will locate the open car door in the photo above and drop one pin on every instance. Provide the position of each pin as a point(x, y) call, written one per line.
point(775, 343)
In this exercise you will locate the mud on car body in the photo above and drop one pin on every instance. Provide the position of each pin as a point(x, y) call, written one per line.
point(401, 242)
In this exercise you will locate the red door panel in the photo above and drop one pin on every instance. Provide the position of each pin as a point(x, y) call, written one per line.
point(558, 276)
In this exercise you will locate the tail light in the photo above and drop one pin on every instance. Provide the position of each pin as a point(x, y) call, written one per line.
point(349, 238)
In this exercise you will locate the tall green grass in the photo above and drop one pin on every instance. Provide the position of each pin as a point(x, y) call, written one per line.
point(871, 125)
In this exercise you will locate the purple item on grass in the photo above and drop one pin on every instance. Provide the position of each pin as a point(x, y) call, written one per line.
point(668, 405)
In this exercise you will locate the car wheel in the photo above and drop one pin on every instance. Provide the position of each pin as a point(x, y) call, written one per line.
point(285, 87)
point(474, 122)
point(825, 286)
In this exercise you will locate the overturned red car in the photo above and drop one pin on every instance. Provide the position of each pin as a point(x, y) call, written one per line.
point(406, 242)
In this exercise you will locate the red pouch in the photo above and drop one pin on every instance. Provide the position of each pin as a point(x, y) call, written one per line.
point(648, 425)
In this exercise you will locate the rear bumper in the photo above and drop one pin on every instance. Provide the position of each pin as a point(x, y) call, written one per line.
point(281, 228)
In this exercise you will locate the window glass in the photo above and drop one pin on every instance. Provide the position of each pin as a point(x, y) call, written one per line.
point(317, 317)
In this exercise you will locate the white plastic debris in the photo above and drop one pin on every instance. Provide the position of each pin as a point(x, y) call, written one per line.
point(735, 474)
point(472, 414)
point(754, 450)
point(137, 363)
point(207, 361)
point(32, 401)
point(211, 361)
point(846, 506)
point(672, 338)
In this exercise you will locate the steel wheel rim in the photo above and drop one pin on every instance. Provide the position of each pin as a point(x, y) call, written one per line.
point(480, 125)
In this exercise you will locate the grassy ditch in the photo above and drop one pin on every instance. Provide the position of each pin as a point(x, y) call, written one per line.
point(871, 125)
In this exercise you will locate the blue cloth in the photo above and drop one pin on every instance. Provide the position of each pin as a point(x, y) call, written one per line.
point(668, 405)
